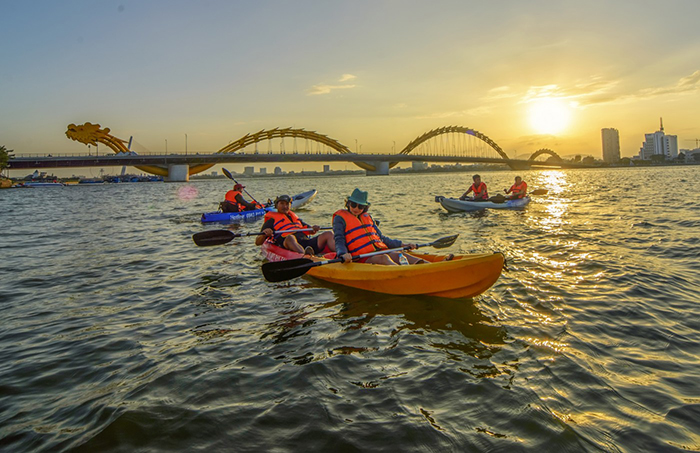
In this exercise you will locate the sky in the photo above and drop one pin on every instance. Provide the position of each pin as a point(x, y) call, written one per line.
point(529, 75)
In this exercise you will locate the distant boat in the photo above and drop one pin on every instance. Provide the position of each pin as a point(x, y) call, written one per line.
point(91, 181)
point(40, 184)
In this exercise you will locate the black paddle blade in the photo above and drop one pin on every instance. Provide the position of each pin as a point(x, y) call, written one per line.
point(213, 237)
point(539, 192)
point(227, 173)
point(444, 242)
point(279, 271)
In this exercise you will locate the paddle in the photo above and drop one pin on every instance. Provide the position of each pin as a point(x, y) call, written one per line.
point(230, 176)
point(220, 237)
point(279, 271)
point(539, 192)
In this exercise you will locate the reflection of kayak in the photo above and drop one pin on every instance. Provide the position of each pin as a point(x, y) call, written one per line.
point(463, 276)
point(456, 205)
point(231, 217)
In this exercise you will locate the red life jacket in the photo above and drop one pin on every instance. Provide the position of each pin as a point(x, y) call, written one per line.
point(480, 192)
point(231, 196)
point(283, 222)
point(518, 187)
point(361, 235)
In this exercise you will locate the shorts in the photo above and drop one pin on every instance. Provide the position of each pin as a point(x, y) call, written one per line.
point(303, 240)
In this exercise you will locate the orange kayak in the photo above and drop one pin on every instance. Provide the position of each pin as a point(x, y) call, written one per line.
point(463, 276)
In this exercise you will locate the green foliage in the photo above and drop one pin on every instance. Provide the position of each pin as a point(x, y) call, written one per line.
point(5, 156)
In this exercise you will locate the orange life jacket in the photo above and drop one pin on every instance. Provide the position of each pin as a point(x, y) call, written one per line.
point(283, 222)
point(518, 187)
point(361, 235)
point(480, 192)
point(231, 196)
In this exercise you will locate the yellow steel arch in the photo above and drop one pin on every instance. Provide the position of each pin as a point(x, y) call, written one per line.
point(539, 152)
point(263, 135)
point(448, 130)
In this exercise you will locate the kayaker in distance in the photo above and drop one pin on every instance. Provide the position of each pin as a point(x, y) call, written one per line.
point(235, 202)
point(284, 219)
point(356, 233)
point(517, 190)
point(479, 189)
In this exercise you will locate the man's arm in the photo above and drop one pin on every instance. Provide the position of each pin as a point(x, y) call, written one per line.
point(241, 200)
point(268, 225)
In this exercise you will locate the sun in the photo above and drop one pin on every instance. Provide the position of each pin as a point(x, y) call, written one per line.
point(549, 115)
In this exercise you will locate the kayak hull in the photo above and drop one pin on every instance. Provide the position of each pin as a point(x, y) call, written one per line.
point(462, 277)
point(456, 205)
point(246, 216)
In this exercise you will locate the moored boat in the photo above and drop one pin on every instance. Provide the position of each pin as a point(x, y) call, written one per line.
point(457, 205)
point(462, 276)
point(40, 184)
point(245, 216)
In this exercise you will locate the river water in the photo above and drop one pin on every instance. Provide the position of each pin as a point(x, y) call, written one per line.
point(119, 334)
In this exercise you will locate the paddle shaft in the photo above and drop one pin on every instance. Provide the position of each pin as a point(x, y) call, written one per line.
point(220, 237)
point(230, 176)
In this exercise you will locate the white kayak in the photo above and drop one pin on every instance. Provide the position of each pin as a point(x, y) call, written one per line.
point(457, 205)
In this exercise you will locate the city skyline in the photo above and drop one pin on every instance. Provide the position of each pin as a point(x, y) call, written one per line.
point(198, 76)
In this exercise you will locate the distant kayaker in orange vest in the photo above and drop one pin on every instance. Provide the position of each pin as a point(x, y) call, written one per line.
point(356, 233)
point(479, 189)
point(517, 190)
point(235, 202)
point(284, 219)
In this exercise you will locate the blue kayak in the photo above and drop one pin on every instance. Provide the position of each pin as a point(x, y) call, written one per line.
point(247, 216)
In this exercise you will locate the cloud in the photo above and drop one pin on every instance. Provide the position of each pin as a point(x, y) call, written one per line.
point(599, 91)
point(326, 89)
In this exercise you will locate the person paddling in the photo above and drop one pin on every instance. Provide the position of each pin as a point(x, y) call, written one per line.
point(355, 233)
point(517, 190)
point(235, 202)
point(284, 219)
point(479, 190)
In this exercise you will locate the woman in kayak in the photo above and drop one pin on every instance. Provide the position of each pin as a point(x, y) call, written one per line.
point(284, 219)
point(235, 202)
point(356, 233)
point(517, 190)
point(479, 189)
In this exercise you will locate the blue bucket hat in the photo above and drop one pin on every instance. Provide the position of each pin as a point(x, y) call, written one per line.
point(359, 197)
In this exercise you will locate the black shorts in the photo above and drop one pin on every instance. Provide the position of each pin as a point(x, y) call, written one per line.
point(303, 240)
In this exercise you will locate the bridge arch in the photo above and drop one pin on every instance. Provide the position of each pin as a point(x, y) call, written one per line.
point(542, 151)
point(263, 135)
point(449, 130)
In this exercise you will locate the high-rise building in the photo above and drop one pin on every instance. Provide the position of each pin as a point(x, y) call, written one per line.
point(659, 144)
point(611, 145)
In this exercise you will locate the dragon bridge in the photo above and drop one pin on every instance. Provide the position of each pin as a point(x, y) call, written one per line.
point(92, 134)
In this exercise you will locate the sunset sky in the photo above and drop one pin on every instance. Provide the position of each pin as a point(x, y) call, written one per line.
point(527, 74)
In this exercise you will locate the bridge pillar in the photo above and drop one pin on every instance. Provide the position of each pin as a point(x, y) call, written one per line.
point(178, 173)
point(382, 168)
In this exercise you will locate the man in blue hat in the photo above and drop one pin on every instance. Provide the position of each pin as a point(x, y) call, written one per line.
point(356, 233)
point(301, 241)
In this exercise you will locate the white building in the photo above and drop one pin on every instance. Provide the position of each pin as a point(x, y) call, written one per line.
point(611, 145)
point(659, 143)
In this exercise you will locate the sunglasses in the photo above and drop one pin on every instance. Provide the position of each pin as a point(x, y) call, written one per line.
point(352, 204)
